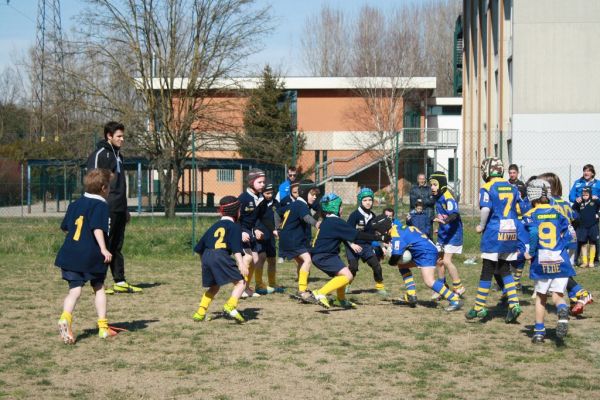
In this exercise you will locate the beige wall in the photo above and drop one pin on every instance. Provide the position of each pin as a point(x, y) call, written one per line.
point(556, 56)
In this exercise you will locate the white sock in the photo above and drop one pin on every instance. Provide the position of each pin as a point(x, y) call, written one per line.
point(122, 283)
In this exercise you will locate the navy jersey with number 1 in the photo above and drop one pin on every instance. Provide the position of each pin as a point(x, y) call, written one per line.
point(80, 251)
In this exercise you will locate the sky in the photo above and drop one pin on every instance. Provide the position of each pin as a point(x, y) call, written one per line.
point(281, 48)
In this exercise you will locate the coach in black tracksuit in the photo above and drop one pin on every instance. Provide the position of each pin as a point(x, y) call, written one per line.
point(108, 156)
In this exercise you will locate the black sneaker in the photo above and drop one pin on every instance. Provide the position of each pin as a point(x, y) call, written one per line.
point(562, 327)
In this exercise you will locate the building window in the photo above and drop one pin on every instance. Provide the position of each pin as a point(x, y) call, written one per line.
point(317, 166)
point(451, 166)
point(324, 163)
point(509, 149)
point(225, 175)
point(496, 150)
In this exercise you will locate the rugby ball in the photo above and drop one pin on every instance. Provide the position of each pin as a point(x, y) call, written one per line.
point(406, 257)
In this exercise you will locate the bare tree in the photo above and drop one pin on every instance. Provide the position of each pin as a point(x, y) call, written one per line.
point(385, 58)
point(158, 66)
point(325, 43)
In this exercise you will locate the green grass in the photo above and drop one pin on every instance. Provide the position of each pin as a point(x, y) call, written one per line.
point(288, 350)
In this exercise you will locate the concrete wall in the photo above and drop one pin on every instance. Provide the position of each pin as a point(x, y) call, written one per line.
point(556, 58)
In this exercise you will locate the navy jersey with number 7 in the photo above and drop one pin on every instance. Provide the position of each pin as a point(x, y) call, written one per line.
point(80, 251)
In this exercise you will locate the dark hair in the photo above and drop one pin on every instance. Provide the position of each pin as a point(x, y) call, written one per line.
point(95, 180)
point(292, 169)
point(111, 127)
point(389, 210)
point(513, 167)
point(554, 181)
point(590, 167)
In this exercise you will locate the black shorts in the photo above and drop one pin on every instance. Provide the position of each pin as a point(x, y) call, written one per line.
point(587, 235)
point(78, 279)
point(218, 268)
point(269, 247)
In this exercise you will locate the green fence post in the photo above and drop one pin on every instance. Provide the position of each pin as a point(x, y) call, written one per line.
point(193, 189)
point(396, 169)
point(294, 147)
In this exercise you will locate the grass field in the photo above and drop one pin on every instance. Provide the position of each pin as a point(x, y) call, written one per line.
point(286, 350)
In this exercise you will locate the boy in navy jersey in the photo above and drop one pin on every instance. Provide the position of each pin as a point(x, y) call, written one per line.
point(83, 256)
point(268, 243)
point(252, 210)
point(550, 264)
point(362, 220)
point(217, 245)
point(419, 218)
point(295, 234)
point(326, 248)
point(587, 226)
point(450, 230)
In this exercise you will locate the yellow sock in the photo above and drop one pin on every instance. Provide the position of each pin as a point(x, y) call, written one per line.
point(592, 253)
point(66, 315)
point(585, 259)
point(232, 302)
point(333, 284)
point(103, 323)
point(379, 285)
point(341, 293)
point(302, 281)
point(204, 303)
point(272, 273)
point(258, 276)
point(250, 273)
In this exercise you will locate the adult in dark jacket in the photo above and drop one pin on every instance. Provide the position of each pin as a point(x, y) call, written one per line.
point(108, 156)
point(513, 179)
point(422, 191)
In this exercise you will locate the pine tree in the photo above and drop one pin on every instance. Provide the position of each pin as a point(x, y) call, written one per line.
point(269, 134)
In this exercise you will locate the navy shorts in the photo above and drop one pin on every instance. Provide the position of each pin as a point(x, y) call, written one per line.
point(291, 254)
point(269, 247)
point(331, 264)
point(78, 279)
point(366, 253)
point(253, 245)
point(587, 235)
point(218, 268)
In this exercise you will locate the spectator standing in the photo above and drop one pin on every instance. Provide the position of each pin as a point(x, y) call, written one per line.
point(108, 156)
point(513, 179)
point(422, 191)
point(587, 180)
point(284, 187)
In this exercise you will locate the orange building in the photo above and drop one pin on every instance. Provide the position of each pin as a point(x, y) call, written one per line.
point(351, 126)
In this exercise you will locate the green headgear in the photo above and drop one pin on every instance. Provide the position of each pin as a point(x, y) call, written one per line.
point(364, 192)
point(331, 203)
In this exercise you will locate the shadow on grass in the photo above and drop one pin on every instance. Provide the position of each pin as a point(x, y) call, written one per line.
point(127, 326)
point(249, 314)
point(550, 335)
point(148, 285)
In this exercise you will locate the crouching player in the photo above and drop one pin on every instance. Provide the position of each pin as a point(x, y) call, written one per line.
point(424, 255)
point(326, 248)
point(83, 256)
point(361, 219)
point(215, 247)
point(550, 264)
point(499, 227)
